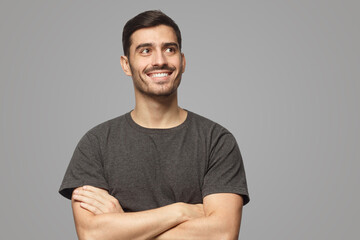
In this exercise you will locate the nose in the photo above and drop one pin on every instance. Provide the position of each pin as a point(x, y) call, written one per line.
point(159, 59)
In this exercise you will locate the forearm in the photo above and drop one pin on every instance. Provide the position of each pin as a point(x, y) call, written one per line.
point(137, 225)
point(211, 227)
point(221, 221)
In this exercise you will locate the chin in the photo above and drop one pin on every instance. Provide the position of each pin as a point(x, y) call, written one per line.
point(161, 93)
point(165, 89)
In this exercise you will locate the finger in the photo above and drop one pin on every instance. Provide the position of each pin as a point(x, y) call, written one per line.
point(89, 194)
point(88, 201)
point(101, 195)
point(81, 198)
point(109, 203)
point(103, 202)
point(91, 201)
point(95, 189)
point(90, 208)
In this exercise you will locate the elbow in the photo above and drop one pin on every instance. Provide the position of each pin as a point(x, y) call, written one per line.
point(230, 233)
point(231, 236)
point(226, 235)
point(84, 234)
point(88, 231)
point(97, 228)
point(221, 233)
point(226, 231)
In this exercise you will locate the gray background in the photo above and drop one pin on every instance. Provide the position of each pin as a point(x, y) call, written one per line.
point(283, 76)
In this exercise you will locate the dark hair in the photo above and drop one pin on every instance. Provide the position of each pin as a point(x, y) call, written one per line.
point(147, 19)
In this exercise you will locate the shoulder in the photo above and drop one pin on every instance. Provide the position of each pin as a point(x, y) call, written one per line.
point(206, 124)
point(208, 128)
point(109, 125)
point(105, 130)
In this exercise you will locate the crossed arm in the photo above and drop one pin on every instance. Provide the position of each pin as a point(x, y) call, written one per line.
point(99, 215)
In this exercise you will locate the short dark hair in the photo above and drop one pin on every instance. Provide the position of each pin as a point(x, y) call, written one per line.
point(147, 19)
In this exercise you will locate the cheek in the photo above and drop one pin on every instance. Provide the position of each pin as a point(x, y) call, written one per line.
point(180, 63)
point(136, 69)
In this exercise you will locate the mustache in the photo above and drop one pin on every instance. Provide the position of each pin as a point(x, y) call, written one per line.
point(163, 67)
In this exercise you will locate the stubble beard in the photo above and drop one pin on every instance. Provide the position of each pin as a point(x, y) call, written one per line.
point(144, 87)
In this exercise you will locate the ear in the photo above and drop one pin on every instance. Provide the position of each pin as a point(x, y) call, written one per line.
point(124, 61)
point(183, 62)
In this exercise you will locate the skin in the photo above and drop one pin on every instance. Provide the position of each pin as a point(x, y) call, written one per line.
point(98, 215)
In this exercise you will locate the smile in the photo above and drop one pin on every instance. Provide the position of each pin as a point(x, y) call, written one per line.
point(159, 74)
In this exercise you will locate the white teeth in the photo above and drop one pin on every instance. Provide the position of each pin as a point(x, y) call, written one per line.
point(159, 75)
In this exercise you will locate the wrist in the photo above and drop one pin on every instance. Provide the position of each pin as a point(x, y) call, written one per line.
point(181, 212)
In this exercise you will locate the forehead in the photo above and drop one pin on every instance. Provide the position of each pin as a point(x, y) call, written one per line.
point(155, 35)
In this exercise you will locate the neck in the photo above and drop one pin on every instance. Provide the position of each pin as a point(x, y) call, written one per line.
point(158, 112)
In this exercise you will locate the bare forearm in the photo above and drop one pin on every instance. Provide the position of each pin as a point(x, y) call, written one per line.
point(138, 225)
point(99, 216)
point(211, 227)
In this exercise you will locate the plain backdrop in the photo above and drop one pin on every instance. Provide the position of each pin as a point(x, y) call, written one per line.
point(282, 76)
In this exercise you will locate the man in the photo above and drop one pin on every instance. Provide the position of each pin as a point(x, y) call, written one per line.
point(159, 171)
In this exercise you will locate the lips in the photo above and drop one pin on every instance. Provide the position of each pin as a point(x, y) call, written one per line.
point(157, 72)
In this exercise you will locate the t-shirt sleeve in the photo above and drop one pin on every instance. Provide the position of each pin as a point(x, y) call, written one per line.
point(85, 167)
point(225, 172)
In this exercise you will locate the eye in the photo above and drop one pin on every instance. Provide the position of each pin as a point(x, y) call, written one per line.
point(145, 51)
point(170, 50)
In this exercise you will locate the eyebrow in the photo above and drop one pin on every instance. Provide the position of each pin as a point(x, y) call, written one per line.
point(168, 44)
point(143, 45)
point(171, 44)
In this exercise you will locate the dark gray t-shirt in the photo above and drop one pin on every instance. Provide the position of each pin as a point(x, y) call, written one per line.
point(149, 168)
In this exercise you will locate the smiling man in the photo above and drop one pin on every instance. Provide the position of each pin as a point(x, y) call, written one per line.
point(158, 171)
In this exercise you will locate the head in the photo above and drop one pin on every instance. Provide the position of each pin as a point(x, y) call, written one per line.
point(147, 19)
point(152, 54)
